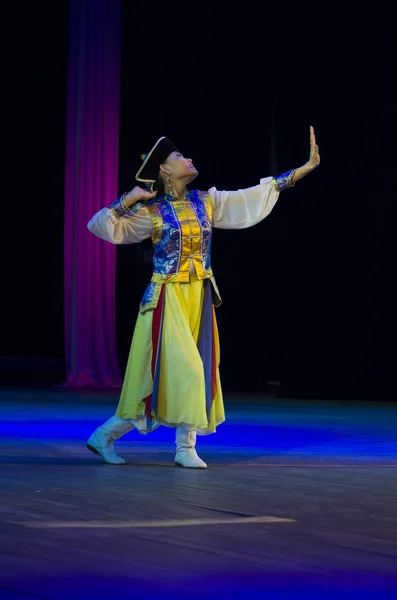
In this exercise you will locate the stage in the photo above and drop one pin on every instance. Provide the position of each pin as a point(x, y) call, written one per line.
point(298, 501)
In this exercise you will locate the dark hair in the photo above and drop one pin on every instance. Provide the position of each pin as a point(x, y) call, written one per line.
point(159, 185)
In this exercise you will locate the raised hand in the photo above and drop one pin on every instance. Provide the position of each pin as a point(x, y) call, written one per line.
point(314, 159)
point(137, 194)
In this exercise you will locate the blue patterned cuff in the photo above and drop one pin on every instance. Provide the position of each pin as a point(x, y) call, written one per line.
point(120, 209)
point(284, 181)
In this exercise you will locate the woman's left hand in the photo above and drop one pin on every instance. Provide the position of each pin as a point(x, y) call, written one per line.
point(314, 159)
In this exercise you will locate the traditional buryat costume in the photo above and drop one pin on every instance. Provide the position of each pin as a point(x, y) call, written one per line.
point(172, 375)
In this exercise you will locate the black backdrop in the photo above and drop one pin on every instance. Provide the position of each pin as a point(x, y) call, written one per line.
point(309, 293)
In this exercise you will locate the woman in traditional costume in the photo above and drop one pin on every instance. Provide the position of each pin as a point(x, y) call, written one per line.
point(172, 374)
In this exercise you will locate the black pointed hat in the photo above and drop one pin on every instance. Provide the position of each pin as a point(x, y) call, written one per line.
point(149, 169)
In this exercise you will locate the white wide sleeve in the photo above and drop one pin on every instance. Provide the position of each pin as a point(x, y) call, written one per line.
point(131, 228)
point(243, 208)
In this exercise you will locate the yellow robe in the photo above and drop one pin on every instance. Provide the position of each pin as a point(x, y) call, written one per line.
point(181, 387)
point(181, 397)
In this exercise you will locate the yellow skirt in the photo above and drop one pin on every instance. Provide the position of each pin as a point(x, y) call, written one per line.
point(172, 374)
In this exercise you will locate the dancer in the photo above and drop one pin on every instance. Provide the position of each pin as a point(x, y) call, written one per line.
point(172, 375)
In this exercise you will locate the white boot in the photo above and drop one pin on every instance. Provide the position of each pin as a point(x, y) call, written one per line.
point(186, 455)
point(102, 440)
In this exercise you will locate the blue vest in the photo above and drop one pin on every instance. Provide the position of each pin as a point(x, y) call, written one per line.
point(182, 233)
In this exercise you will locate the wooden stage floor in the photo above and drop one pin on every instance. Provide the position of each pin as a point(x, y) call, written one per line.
point(299, 501)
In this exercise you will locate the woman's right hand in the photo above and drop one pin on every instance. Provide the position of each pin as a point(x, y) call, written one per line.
point(136, 195)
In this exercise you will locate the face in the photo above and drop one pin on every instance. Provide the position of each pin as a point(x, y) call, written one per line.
point(179, 168)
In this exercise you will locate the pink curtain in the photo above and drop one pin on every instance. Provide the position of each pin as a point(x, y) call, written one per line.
point(92, 139)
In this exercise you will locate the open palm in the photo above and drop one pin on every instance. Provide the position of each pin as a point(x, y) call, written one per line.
point(314, 159)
